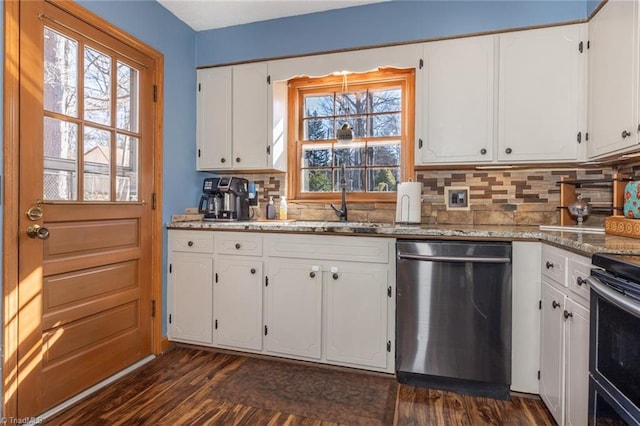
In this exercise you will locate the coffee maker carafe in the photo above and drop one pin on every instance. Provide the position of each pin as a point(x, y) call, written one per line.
point(211, 199)
point(225, 198)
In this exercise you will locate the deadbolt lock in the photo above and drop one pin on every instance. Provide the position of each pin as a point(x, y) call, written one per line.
point(35, 213)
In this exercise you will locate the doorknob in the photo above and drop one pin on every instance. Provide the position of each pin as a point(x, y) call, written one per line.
point(37, 231)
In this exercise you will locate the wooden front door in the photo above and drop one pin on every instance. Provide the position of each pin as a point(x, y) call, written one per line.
point(86, 188)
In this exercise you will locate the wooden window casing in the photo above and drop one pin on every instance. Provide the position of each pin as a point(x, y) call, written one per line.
point(387, 77)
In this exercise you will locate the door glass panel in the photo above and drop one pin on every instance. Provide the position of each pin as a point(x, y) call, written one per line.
point(127, 105)
point(60, 160)
point(60, 73)
point(97, 86)
point(127, 168)
point(97, 164)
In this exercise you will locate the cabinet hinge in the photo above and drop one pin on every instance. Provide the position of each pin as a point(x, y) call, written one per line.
point(268, 79)
point(198, 153)
point(199, 87)
point(419, 143)
point(266, 330)
point(268, 149)
point(153, 309)
point(540, 304)
point(170, 318)
point(266, 281)
point(579, 137)
point(155, 93)
point(216, 277)
point(388, 345)
point(588, 44)
point(215, 324)
point(639, 127)
point(389, 291)
point(538, 374)
point(581, 47)
point(586, 136)
point(154, 201)
point(421, 63)
point(170, 268)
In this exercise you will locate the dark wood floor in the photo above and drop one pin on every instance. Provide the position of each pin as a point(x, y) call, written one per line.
point(186, 386)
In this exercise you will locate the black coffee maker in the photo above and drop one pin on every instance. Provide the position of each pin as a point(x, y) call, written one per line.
point(224, 198)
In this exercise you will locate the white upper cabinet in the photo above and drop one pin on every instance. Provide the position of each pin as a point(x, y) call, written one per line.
point(233, 118)
point(541, 94)
point(458, 101)
point(613, 79)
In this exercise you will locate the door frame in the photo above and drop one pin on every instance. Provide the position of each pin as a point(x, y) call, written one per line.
point(11, 145)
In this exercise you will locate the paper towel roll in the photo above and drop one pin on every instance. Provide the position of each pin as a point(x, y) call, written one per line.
point(408, 203)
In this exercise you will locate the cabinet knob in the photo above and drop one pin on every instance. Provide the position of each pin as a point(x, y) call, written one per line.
point(223, 160)
point(508, 150)
point(335, 276)
point(238, 246)
point(625, 134)
point(483, 151)
point(253, 271)
point(237, 159)
point(190, 243)
point(555, 304)
point(312, 274)
point(567, 314)
point(549, 265)
point(580, 281)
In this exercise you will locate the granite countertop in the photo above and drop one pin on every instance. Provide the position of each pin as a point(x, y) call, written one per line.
point(584, 243)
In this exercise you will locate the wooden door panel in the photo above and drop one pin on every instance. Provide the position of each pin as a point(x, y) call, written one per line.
point(68, 238)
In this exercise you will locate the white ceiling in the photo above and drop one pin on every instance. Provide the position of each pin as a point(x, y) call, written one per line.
point(209, 14)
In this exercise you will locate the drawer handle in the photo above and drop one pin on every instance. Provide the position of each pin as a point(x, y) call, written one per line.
point(508, 150)
point(223, 160)
point(625, 134)
point(335, 276)
point(567, 314)
point(190, 243)
point(580, 281)
point(312, 274)
point(555, 304)
point(238, 246)
point(253, 271)
point(483, 151)
point(549, 265)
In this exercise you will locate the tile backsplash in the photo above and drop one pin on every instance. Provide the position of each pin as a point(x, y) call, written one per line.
point(496, 197)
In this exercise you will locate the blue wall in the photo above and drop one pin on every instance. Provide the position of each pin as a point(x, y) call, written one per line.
point(375, 24)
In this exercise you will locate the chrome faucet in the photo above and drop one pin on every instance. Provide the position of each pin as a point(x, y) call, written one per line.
point(342, 212)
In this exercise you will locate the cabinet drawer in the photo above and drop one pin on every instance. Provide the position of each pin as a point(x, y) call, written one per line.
point(191, 241)
point(579, 270)
point(554, 264)
point(240, 243)
point(360, 249)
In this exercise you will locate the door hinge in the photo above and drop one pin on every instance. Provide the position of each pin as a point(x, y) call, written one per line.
point(154, 201)
point(266, 281)
point(170, 318)
point(268, 79)
point(421, 64)
point(579, 137)
point(215, 324)
point(538, 374)
point(216, 277)
point(581, 47)
point(153, 309)
point(155, 93)
point(419, 143)
point(388, 345)
point(198, 153)
point(389, 291)
point(266, 330)
point(540, 304)
point(170, 268)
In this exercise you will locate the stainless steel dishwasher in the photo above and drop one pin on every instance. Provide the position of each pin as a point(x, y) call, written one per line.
point(453, 316)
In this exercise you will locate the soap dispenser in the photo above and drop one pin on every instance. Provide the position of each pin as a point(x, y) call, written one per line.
point(271, 209)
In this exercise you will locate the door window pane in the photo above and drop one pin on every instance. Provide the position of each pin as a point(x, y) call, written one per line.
point(60, 160)
point(127, 105)
point(97, 164)
point(127, 168)
point(97, 87)
point(60, 73)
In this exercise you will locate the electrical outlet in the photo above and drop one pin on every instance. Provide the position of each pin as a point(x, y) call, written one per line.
point(457, 198)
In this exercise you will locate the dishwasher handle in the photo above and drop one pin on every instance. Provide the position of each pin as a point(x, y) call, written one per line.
point(454, 259)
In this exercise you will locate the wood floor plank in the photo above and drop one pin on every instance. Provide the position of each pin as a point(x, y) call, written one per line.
point(182, 387)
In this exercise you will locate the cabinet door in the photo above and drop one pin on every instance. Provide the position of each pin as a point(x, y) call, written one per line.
point(250, 93)
point(294, 308)
point(356, 321)
point(238, 302)
point(458, 100)
point(213, 122)
point(551, 350)
point(613, 76)
point(577, 364)
point(190, 297)
point(541, 92)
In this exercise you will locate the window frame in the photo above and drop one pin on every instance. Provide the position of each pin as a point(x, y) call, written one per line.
point(297, 87)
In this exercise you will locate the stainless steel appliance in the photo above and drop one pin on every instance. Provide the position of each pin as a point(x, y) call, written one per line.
point(614, 340)
point(224, 198)
point(454, 316)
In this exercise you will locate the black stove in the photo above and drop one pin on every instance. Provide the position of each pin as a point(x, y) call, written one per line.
point(625, 266)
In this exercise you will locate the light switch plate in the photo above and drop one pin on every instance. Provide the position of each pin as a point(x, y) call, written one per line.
point(457, 198)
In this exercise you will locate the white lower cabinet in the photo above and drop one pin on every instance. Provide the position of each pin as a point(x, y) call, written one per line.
point(293, 305)
point(237, 305)
point(564, 344)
